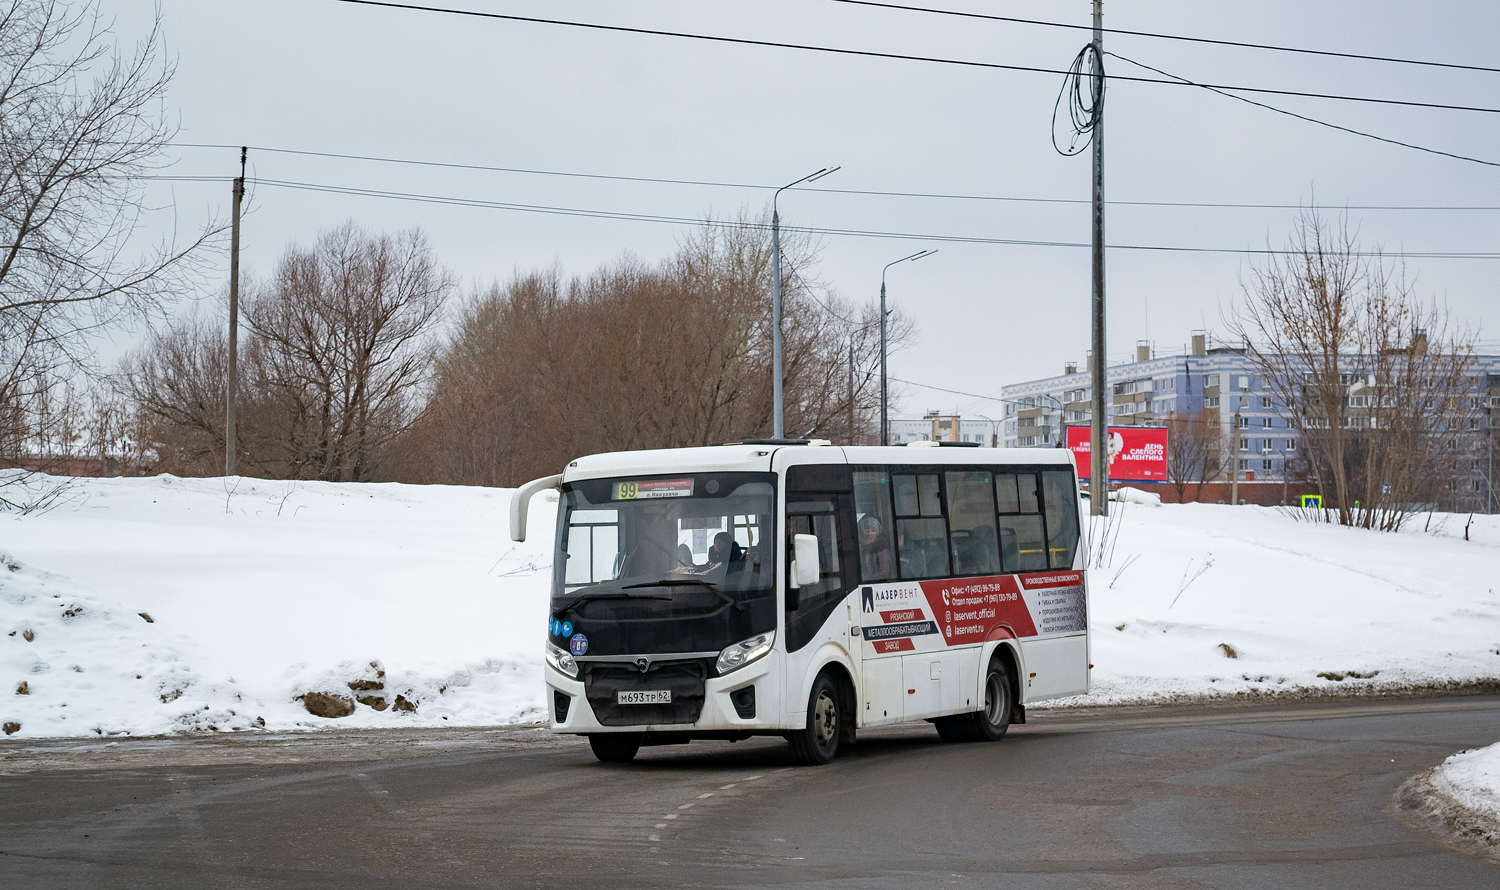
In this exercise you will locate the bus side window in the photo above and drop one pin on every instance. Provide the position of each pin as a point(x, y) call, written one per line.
point(872, 504)
point(1062, 517)
point(921, 533)
point(971, 523)
point(1023, 544)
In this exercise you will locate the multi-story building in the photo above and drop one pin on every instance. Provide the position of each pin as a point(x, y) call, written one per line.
point(1221, 385)
point(935, 426)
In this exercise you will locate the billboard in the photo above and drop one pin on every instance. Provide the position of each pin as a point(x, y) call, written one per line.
point(1136, 453)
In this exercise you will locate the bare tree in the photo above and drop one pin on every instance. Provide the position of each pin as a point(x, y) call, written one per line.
point(80, 125)
point(1193, 450)
point(1375, 380)
point(334, 366)
point(341, 347)
point(637, 356)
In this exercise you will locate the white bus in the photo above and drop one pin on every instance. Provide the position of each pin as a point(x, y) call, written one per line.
point(808, 591)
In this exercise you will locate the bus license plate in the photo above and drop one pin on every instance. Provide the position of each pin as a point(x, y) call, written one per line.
point(645, 697)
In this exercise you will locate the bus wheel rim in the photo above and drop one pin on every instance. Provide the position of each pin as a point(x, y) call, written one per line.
point(993, 700)
point(825, 720)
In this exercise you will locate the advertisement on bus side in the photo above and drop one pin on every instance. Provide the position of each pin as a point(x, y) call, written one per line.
point(1136, 453)
point(932, 615)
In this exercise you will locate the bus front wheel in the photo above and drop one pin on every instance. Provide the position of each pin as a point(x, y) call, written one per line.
point(818, 742)
point(615, 747)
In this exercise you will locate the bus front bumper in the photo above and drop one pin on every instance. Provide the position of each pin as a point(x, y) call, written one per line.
point(566, 700)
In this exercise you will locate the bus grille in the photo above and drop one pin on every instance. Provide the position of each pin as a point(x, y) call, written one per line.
point(602, 681)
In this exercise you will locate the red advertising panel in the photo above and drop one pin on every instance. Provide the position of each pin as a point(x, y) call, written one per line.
point(1136, 453)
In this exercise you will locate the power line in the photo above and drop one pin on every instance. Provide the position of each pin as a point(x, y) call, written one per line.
point(1236, 43)
point(744, 41)
point(1311, 120)
point(812, 230)
point(956, 392)
point(762, 187)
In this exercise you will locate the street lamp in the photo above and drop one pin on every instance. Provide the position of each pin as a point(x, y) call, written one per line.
point(885, 418)
point(778, 430)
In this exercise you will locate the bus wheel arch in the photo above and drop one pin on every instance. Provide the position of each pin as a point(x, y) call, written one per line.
point(817, 742)
point(1008, 656)
point(848, 697)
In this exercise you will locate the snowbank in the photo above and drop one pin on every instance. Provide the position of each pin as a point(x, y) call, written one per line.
point(413, 600)
point(1462, 793)
point(260, 592)
point(1194, 599)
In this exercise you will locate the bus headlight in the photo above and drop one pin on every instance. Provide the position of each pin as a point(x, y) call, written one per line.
point(562, 660)
point(744, 652)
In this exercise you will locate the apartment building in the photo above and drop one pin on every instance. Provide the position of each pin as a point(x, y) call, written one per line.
point(1220, 383)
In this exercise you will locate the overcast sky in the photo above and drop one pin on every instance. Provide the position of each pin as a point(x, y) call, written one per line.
point(320, 75)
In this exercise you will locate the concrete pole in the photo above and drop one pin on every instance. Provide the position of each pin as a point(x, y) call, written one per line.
point(1234, 465)
point(1098, 438)
point(885, 417)
point(231, 381)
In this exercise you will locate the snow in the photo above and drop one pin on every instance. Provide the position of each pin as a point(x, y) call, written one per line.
point(1195, 599)
point(1461, 797)
point(260, 592)
point(1472, 779)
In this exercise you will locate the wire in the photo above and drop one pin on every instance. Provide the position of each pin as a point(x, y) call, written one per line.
point(1082, 114)
point(812, 230)
point(744, 41)
point(1266, 46)
point(1311, 120)
point(829, 191)
point(956, 392)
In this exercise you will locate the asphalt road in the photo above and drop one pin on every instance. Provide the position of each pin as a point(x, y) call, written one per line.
point(1229, 797)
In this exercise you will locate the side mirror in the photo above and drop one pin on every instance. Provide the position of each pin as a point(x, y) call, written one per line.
point(520, 501)
point(805, 567)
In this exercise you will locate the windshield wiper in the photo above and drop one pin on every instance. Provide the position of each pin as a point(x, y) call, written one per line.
point(684, 582)
point(583, 598)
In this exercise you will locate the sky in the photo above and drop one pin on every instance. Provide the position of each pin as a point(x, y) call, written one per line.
point(335, 77)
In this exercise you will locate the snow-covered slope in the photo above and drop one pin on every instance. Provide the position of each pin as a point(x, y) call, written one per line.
point(266, 591)
point(1204, 598)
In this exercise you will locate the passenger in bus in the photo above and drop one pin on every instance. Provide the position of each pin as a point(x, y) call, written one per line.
point(724, 552)
point(875, 557)
point(913, 560)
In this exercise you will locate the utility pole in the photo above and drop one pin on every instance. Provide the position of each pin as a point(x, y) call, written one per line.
point(885, 417)
point(851, 391)
point(231, 382)
point(778, 429)
point(1234, 480)
point(1098, 445)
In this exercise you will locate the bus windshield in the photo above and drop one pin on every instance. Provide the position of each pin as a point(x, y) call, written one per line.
point(667, 563)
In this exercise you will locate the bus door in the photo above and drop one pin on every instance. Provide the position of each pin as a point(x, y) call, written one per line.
point(819, 503)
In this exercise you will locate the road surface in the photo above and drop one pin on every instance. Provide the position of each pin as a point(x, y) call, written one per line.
point(1288, 796)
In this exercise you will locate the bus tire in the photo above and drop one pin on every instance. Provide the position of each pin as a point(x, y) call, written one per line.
point(615, 747)
point(990, 724)
point(957, 728)
point(818, 742)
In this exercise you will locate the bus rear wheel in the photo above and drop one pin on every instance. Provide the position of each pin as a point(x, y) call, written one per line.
point(615, 747)
point(989, 724)
point(818, 742)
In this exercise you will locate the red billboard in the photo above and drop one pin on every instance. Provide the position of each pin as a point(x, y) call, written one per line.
point(1136, 453)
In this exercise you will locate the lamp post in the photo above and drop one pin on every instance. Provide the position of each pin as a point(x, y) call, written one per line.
point(885, 418)
point(994, 429)
point(778, 430)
